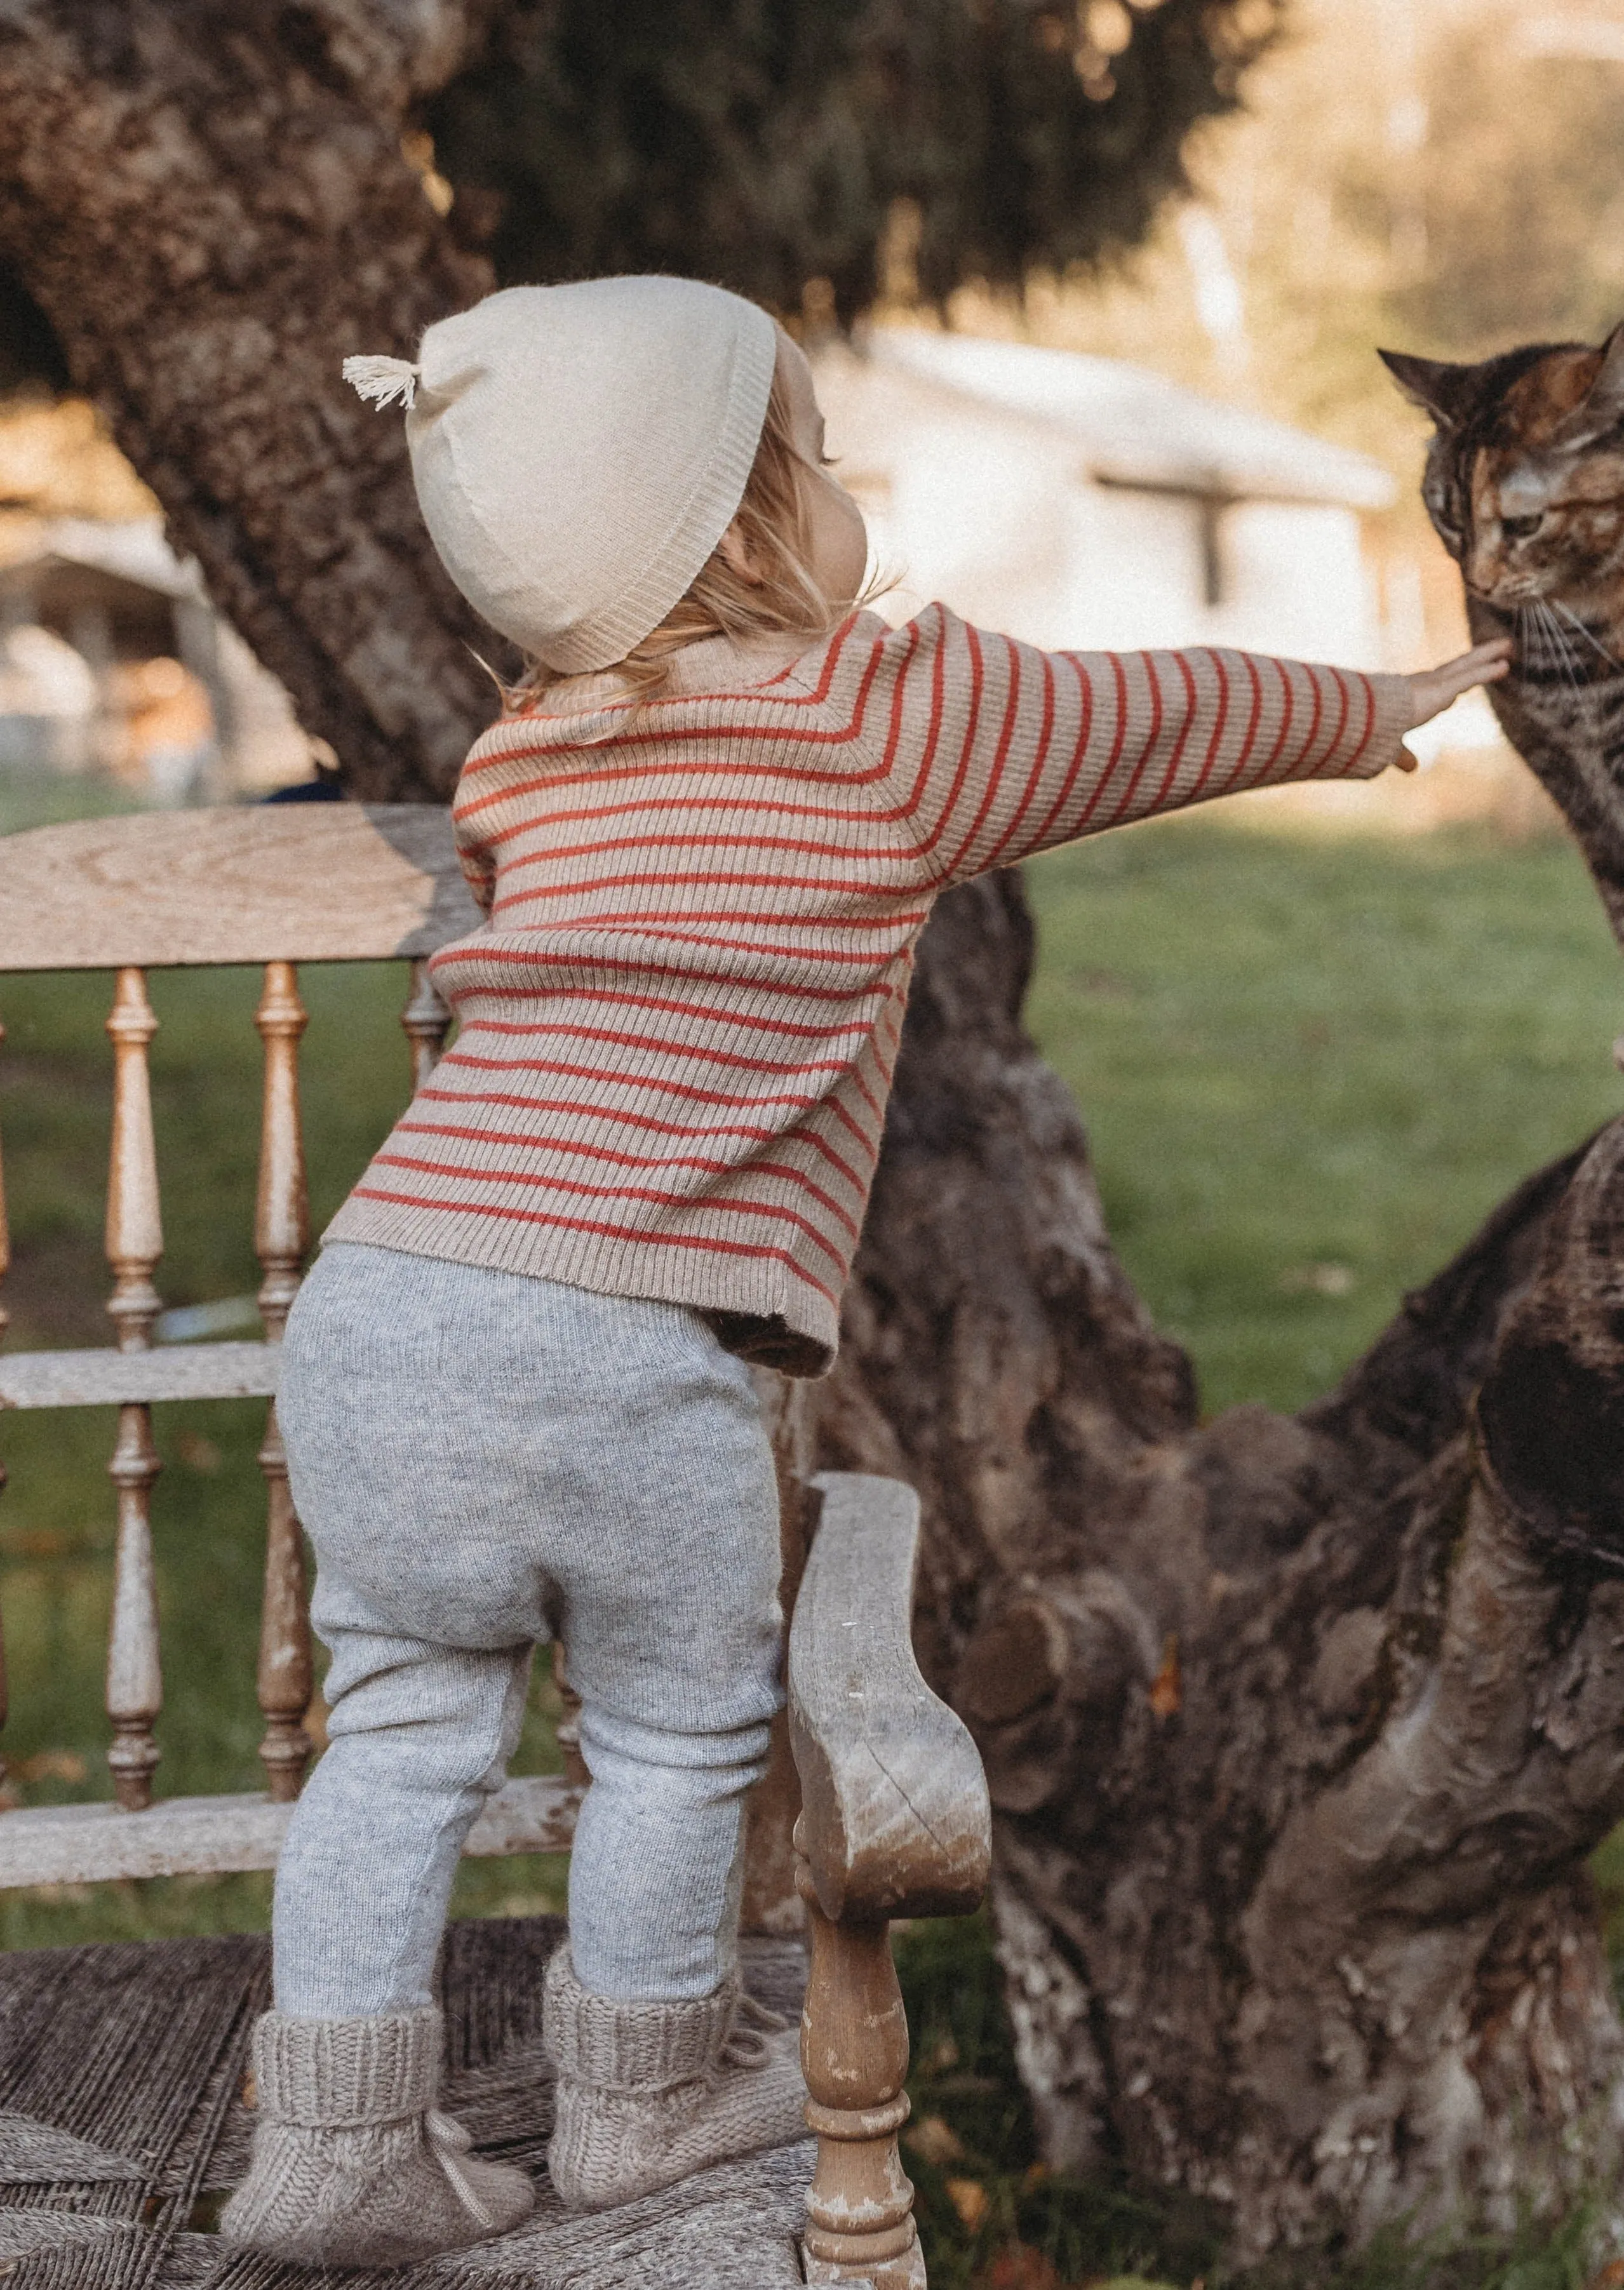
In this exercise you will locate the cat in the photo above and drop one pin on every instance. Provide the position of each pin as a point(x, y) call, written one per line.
point(1524, 484)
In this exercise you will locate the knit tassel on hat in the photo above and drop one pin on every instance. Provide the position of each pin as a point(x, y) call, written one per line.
point(353, 2165)
point(383, 380)
point(650, 2092)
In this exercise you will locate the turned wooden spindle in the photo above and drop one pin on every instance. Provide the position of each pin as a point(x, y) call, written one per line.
point(285, 1679)
point(859, 2215)
point(134, 1244)
point(426, 1020)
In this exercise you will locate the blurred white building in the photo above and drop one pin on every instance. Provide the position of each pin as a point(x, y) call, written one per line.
point(1076, 501)
point(112, 659)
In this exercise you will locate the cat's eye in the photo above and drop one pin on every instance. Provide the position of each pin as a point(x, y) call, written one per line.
point(1521, 528)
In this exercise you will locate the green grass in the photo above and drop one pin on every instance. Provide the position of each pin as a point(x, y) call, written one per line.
point(1308, 1069)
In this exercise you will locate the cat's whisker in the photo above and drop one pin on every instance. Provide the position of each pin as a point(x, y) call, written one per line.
point(1589, 634)
point(1558, 647)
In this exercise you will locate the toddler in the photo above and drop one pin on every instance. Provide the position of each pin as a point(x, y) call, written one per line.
point(707, 832)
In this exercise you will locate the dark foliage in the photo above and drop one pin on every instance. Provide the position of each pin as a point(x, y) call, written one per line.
point(30, 351)
point(766, 143)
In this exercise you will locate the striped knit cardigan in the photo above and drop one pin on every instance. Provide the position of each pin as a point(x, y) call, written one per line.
point(677, 1034)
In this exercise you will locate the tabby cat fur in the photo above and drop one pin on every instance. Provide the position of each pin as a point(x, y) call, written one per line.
point(1525, 484)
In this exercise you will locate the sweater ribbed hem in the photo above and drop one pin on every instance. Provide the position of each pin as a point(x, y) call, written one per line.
point(617, 1267)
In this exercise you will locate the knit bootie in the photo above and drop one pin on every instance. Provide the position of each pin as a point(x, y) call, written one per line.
point(351, 2162)
point(650, 2092)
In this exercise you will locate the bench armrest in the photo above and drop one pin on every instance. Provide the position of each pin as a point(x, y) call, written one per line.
point(895, 1820)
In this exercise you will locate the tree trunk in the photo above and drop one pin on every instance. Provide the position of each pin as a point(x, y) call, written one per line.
point(1298, 1729)
point(211, 207)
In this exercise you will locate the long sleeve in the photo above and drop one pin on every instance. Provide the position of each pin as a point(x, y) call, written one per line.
point(988, 750)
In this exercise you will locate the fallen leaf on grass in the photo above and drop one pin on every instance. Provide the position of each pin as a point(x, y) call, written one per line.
point(1319, 1280)
point(969, 2199)
point(934, 2139)
point(1610, 2278)
point(198, 1453)
point(1018, 2267)
point(50, 1766)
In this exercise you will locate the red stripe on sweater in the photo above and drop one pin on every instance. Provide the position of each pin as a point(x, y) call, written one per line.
point(607, 1231)
point(698, 877)
point(1341, 722)
point(1157, 705)
point(688, 1091)
point(584, 1152)
point(706, 1013)
point(878, 957)
point(561, 854)
point(523, 958)
point(1250, 741)
point(946, 808)
point(679, 1052)
point(1079, 754)
point(596, 1110)
point(1216, 742)
point(1119, 739)
point(1192, 704)
point(1045, 735)
point(1259, 777)
point(1000, 758)
point(713, 1203)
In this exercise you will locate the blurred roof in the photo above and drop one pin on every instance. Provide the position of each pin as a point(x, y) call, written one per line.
point(1136, 428)
point(127, 571)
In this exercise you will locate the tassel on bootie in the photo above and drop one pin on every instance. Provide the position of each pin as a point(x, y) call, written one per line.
point(352, 2164)
point(650, 2092)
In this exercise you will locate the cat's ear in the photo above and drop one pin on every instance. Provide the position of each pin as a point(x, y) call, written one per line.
point(1603, 403)
point(1436, 387)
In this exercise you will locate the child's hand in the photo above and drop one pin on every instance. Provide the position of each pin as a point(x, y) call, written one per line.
point(1434, 688)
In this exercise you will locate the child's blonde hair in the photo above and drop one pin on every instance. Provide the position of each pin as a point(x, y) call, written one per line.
point(783, 598)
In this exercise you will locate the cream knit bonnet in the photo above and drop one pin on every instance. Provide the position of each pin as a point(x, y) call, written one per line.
point(579, 450)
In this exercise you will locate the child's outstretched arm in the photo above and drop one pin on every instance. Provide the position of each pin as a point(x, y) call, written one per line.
point(991, 750)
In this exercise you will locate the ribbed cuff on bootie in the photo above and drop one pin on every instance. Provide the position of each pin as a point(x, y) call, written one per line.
point(342, 2074)
point(648, 2046)
point(650, 2092)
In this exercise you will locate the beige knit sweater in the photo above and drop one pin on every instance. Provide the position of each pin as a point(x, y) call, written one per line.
point(676, 1036)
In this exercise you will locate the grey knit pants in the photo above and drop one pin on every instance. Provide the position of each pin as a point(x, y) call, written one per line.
point(483, 1460)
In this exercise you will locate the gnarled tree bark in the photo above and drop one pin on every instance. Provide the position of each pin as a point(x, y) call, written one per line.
point(1298, 1729)
point(211, 207)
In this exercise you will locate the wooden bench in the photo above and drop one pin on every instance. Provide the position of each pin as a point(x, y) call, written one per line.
point(880, 1781)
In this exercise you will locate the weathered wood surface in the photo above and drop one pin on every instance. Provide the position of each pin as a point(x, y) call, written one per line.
point(195, 1836)
point(896, 1821)
point(277, 883)
point(94, 1377)
point(122, 2127)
